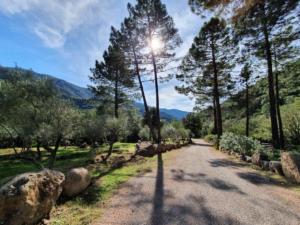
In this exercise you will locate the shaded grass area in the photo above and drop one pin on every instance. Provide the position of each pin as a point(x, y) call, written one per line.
point(66, 158)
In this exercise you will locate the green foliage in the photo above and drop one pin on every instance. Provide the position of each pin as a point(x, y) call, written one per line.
point(240, 144)
point(175, 131)
point(144, 133)
point(115, 128)
point(133, 126)
point(293, 128)
point(169, 132)
point(112, 78)
point(194, 123)
point(211, 138)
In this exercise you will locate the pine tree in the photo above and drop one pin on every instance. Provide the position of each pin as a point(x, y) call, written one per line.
point(257, 21)
point(112, 77)
point(245, 78)
point(283, 52)
point(211, 56)
point(132, 39)
point(157, 28)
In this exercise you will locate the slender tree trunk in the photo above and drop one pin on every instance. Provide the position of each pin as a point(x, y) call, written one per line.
point(110, 149)
point(216, 93)
point(157, 97)
point(215, 116)
point(273, 111)
point(116, 96)
point(137, 68)
point(53, 153)
point(247, 109)
point(277, 99)
point(156, 84)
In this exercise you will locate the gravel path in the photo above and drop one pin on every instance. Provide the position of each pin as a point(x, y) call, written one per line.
point(201, 186)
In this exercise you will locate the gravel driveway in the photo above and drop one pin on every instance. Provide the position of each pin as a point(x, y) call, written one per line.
point(201, 186)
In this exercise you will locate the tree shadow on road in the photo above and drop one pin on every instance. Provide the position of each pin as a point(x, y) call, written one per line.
point(255, 178)
point(201, 178)
point(158, 199)
point(226, 163)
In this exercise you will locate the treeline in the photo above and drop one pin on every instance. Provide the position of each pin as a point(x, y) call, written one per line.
point(239, 43)
point(34, 118)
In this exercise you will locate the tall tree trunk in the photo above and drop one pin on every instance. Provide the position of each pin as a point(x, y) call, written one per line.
point(116, 96)
point(273, 111)
point(215, 116)
point(247, 109)
point(137, 68)
point(157, 97)
point(216, 93)
point(156, 84)
point(277, 99)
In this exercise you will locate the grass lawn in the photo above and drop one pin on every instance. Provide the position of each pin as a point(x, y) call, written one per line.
point(66, 158)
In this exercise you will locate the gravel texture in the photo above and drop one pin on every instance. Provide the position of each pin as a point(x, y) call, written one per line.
point(199, 185)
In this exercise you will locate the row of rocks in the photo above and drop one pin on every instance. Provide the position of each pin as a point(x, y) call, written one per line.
point(28, 198)
point(288, 166)
point(148, 149)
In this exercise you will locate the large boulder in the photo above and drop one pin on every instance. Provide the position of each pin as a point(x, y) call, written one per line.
point(275, 167)
point(145, 149)
point(29, 198)
point(258, 157)
point(291, 165)
point(77, 180)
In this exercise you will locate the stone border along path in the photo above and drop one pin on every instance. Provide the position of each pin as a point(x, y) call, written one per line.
point(199, 185)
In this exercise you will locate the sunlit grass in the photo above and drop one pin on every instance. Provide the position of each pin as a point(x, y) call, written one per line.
point(66, 158)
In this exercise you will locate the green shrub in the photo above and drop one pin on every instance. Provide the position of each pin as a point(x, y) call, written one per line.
point(211, 138)
point(240, 144)
point(144, 133)
point(293, 128)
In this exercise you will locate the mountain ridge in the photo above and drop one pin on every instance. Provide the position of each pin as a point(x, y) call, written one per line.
point(77, 93)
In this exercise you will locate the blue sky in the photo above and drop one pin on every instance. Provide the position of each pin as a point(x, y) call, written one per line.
point(63, 38)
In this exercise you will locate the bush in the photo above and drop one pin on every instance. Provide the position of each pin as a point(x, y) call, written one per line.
point(293, 128)
point(240, 144)
point(144, 133)
point(168, 131)
point(175, 131)
point(211, 138)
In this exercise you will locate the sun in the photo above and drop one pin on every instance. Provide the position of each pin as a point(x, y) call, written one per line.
point(156, 44)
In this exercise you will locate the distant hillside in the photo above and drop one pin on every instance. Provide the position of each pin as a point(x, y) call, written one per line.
point(168, 114)
point(67, 89)
point(80, 95)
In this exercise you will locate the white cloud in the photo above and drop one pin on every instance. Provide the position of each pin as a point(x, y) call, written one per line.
point(17, 6)
point(51, 37)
